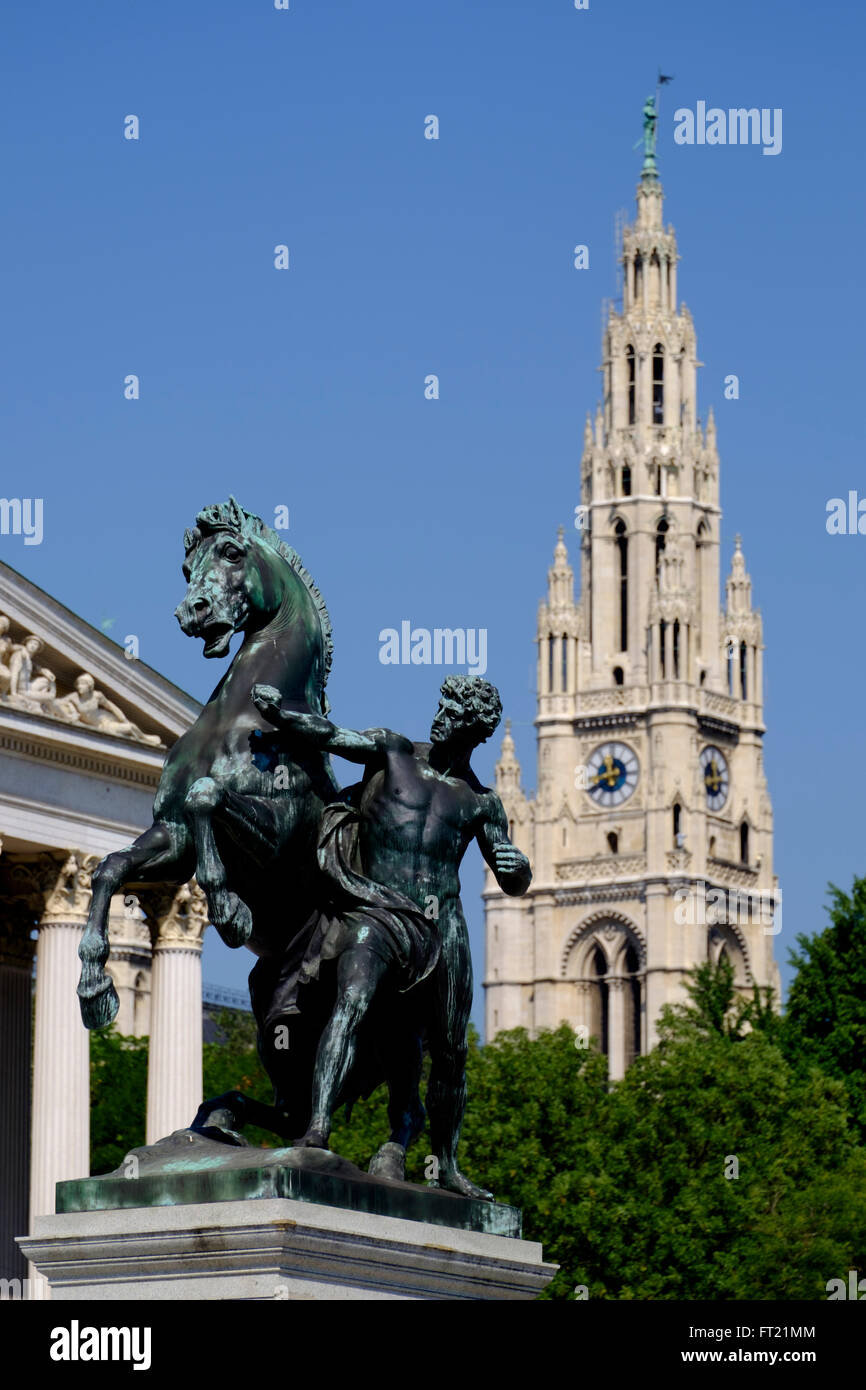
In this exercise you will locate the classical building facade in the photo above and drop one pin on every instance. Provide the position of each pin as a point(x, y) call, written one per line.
point(83, 735)
point(651, 833)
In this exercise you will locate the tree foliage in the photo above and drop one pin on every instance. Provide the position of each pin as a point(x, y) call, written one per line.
point(118, 1097)
point(714, 1170)
point(825, 1019)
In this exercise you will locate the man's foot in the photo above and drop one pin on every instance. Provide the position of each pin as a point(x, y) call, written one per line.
point(389, 1162)
point(313, 1139)
point(452, 1180)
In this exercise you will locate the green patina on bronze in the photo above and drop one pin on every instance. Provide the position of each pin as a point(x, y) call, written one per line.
point(219, 1174)
point(350, 900)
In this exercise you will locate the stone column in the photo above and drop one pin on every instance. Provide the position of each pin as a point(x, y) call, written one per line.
point(61, 1053)
point(174, 1075)
point(16, 975)
point(616, 1026)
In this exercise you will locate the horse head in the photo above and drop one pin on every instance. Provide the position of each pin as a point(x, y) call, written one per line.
point(242, 577)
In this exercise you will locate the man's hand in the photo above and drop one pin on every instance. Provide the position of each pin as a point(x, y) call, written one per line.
point(510, 861)
point(266, 699)
point(310, 727)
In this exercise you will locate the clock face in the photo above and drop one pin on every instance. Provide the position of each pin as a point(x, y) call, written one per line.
point(612, 773)
point(716, 779)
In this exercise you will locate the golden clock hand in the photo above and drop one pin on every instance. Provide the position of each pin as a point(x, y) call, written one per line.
point(608, 773)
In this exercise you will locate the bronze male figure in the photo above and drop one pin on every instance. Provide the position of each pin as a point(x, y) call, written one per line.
point(392, 861)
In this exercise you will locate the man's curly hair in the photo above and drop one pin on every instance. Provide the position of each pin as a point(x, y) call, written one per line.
point(478, 697)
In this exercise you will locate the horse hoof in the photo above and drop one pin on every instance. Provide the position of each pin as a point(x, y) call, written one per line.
point(99, 1007)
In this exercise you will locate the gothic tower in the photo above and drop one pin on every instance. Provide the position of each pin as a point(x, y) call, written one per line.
point(651, 832)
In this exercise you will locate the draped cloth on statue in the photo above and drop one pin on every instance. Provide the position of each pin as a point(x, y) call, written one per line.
point(354, 911)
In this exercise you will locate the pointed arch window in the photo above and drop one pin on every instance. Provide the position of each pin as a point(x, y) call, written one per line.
point(744, 843)
point(661, 541)
point(551, 643)
point(613, 842)
point(676, 648)
point(658, 384)
point(622, 548)
point(631, 380)
point(677, 824)
point(700, 562)
point(564, 662)
point(599, 1011)
point(743, 682)
point(626, 480)
point(617, 675)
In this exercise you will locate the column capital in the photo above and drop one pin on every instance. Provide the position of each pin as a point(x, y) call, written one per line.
point(58, 890)
point(177, 916)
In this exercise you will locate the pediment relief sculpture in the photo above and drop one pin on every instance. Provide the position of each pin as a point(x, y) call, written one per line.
point(26, 686)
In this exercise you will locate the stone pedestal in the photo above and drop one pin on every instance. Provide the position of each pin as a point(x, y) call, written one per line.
point(195, 1218)
point(275, 1248)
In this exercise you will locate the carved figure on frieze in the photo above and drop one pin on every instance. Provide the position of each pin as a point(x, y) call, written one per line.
point(5, 649)
point(30, 690)
point(90, 706)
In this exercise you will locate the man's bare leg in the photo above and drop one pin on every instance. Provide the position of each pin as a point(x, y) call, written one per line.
point(451, 1002)
point(359, 972)
point(406, 1114)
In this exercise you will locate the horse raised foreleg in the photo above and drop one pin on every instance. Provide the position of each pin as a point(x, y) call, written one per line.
point(156, 848)
point(228, 913)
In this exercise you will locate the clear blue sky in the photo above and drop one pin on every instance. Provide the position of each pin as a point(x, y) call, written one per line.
point(410, 257)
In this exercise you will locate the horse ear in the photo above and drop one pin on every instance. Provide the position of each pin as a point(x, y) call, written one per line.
point(237, 512)
point(189, 540)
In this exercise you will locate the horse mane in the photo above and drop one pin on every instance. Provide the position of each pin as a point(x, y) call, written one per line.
point(231, 516)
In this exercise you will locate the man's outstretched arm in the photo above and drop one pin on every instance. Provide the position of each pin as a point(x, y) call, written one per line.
point(318, 732)
point(510, 865)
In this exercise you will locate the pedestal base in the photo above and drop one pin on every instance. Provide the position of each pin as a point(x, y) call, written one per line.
point(193, 1218)
point(275, 1248)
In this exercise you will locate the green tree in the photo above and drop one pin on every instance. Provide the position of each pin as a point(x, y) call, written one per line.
point(118, 1097)
point(232, 1063)
point(632, 1189)
point(825, 1019)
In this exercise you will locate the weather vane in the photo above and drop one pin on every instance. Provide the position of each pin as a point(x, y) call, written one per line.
point(650, 126)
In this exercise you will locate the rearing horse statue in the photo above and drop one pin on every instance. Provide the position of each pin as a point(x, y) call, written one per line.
point(233, 807)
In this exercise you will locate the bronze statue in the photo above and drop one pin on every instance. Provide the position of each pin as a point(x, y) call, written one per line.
point(350, 901)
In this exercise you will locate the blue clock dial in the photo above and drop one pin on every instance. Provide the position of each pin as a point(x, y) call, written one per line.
point(714, 769)
point(612, 773)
